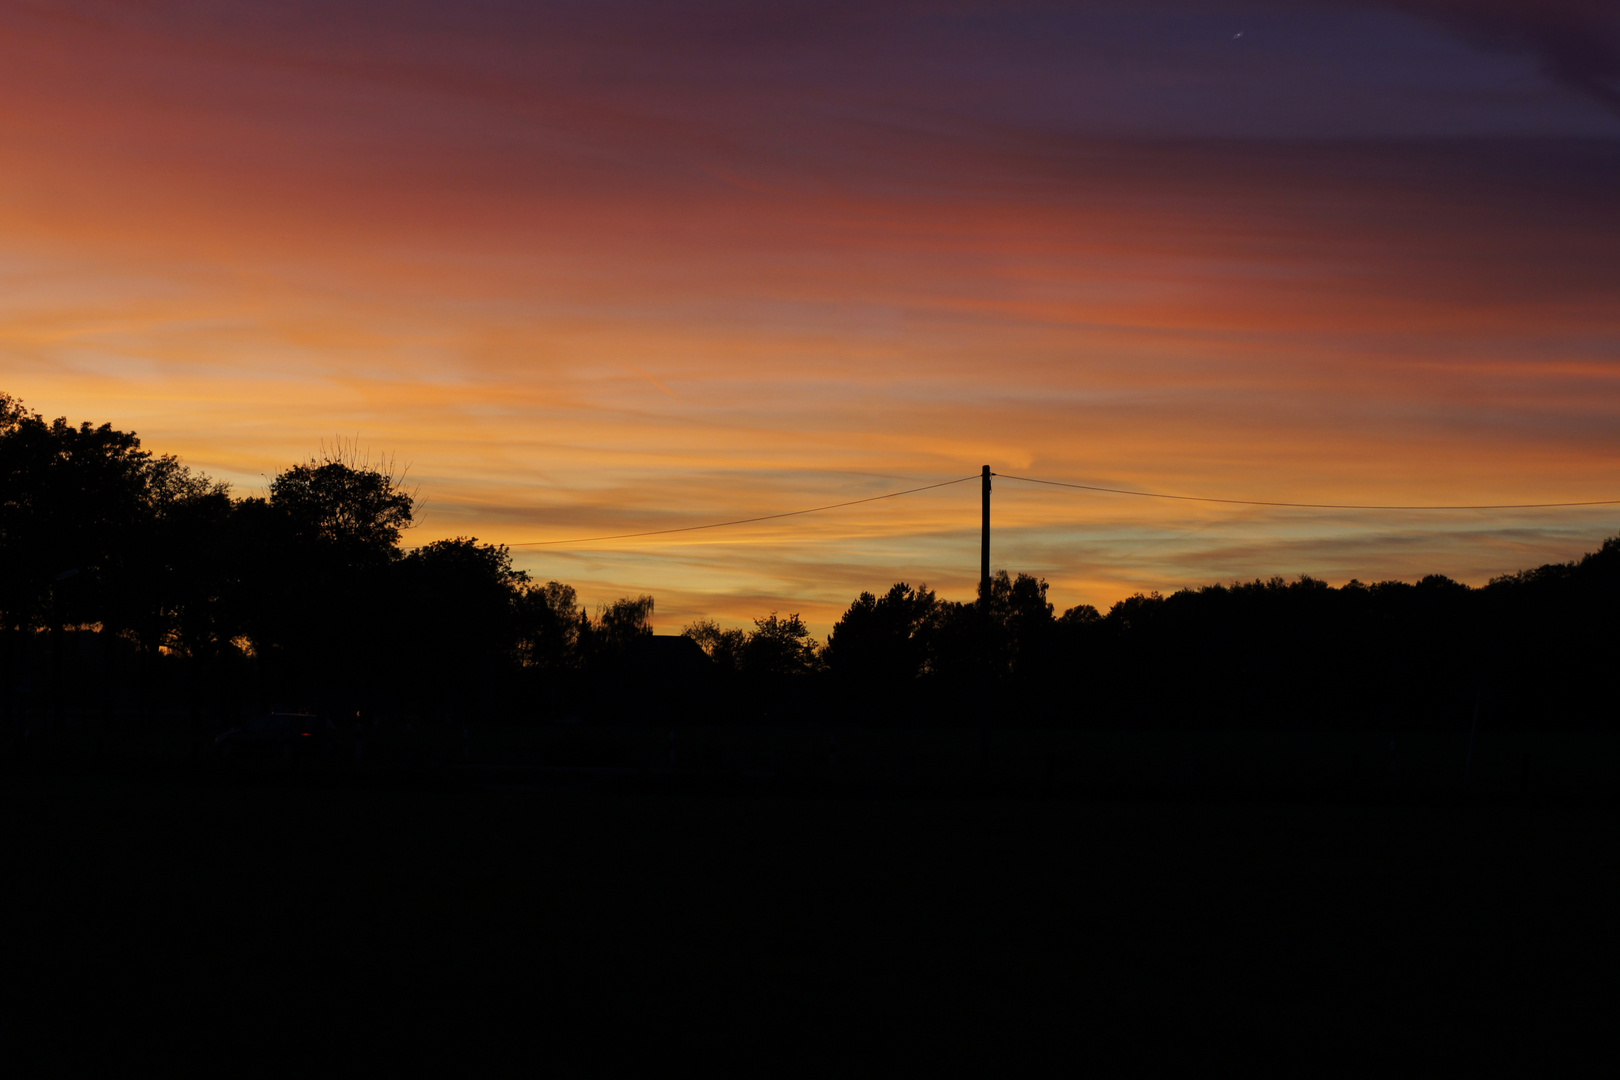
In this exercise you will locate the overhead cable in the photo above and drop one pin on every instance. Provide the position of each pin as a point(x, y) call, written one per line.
point(746, 521)
point(1301, 505)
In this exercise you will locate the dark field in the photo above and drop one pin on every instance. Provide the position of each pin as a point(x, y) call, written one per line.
point(1127, 901)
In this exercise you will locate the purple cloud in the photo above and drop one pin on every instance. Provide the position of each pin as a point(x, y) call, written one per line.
point(1577, 41)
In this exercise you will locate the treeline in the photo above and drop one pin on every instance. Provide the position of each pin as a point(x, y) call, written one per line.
point(135, 590)
point(1533, 649)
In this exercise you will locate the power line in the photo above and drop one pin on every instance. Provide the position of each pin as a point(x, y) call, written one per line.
point(1300, 505)
point(1061, 484)
point(746, 521)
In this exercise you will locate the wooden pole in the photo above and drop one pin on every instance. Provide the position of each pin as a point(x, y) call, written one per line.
point(984, 628)
point(984, 541)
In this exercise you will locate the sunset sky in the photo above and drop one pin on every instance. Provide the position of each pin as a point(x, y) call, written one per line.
point(604, 267)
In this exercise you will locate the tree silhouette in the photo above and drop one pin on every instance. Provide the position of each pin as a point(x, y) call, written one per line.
point(458, 629)
point(723, 646)
point(620, 624)
point(344, 504)
point(549, 622)
point(883, 640)
point(321, 595)
point(779, 647)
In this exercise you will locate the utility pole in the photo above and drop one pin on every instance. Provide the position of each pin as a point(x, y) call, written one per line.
point(984, 542)
point(984, 626)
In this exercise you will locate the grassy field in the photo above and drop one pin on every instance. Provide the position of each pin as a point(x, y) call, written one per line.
point(280, 923)
point(1559, 766)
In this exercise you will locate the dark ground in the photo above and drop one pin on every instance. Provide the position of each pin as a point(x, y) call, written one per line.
point(283, 921)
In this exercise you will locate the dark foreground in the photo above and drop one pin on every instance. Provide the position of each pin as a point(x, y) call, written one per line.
point(264, 922)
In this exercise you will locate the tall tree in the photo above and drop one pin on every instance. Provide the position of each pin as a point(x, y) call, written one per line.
point(321, 595)
point(458, 632)
point(883, 641)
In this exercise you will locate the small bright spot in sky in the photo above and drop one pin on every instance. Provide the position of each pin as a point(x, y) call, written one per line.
point(1237, 35)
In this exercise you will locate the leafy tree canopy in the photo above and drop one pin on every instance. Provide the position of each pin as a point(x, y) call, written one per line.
point(343, 503)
